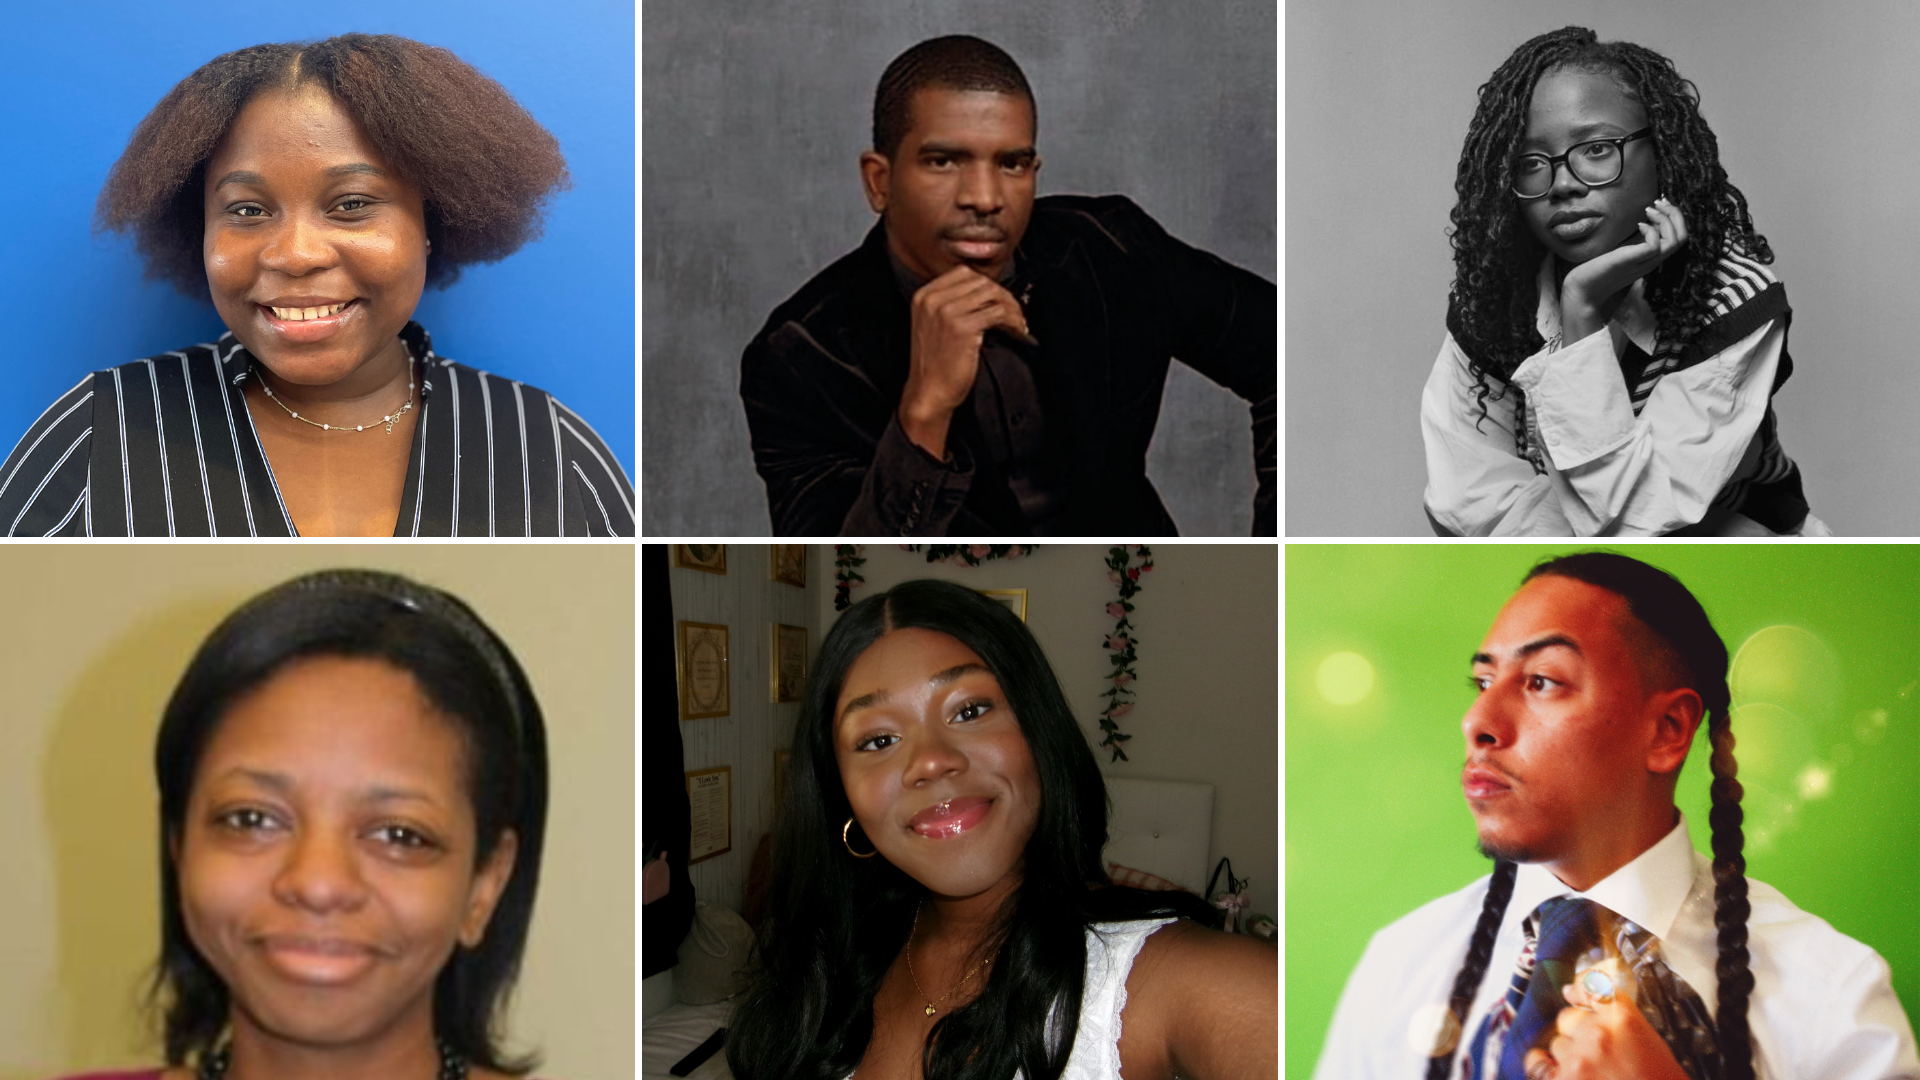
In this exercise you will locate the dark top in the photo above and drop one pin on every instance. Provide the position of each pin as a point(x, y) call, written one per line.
point(1110, 297)
point(166, 447)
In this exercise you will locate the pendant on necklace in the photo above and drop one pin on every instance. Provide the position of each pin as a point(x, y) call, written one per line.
point(929, 1010)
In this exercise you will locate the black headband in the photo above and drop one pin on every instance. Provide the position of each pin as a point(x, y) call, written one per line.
point(432, 603)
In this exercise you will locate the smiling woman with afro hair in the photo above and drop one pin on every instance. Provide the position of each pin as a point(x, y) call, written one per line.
point(310, 192)
point(1615, 334)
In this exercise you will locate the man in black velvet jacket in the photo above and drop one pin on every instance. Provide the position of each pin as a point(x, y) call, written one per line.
point(988, 363)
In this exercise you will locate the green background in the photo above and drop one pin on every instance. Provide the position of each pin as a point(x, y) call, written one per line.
point(1826, 722)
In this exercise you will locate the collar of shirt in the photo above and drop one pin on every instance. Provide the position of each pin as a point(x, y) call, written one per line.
point(1648, 891)
point(1633, 319)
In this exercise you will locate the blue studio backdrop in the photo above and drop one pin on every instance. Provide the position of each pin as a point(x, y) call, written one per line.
point(78, 77)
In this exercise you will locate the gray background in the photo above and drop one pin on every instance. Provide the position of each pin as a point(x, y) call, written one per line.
point(1812, 105)
point(754, 115)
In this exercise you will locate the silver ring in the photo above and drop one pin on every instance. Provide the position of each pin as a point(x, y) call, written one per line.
point(1598, 984)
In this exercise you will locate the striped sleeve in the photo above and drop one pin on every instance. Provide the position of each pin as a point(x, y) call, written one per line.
point(43, 483)
point(598, 495)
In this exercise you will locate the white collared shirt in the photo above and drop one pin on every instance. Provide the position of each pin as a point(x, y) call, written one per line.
point(1609, 472)
point(1822, 1007)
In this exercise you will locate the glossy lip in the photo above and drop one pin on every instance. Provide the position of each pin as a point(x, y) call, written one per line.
point(311, 330)
point(1481, 783)
point(949, 818)
point(317, 961)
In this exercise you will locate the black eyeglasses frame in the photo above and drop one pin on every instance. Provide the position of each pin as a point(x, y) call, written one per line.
point(1553, 163)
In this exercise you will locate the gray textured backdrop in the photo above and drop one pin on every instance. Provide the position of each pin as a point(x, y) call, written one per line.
point(1812, 105)
point(754, 115)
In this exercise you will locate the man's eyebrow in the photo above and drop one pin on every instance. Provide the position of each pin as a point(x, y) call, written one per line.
point(1534, 646)
point(944, 150)
point(938, 678)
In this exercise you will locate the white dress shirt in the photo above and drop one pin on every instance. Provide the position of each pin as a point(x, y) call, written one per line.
point(1822, 1006)
point(1609, 472)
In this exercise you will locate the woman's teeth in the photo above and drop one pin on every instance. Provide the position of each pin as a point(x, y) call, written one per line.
point(302, 314)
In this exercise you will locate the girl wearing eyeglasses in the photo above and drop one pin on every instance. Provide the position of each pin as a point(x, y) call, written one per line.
point(1614, 334)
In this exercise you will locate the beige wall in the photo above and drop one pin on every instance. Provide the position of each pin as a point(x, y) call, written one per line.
point(1208, 705)
point(92, 642)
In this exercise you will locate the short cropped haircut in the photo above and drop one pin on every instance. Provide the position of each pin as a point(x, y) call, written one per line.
point(471, 679)
point(483, 165)
point(955, 62)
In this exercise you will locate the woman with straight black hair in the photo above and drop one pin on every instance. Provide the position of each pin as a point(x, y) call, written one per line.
point(939, 907)
point(353, 789)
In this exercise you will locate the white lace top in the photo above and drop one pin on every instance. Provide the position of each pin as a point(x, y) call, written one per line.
point(1111, 948)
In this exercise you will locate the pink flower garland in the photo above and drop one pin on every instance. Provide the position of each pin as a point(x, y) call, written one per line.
point(969, 554)
point(1121, 643)
point(847, 558)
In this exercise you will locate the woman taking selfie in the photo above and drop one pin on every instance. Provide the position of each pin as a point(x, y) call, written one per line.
point(939, 907)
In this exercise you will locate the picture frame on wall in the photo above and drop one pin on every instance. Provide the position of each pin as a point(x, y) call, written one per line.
point(711, 558)
point(1014, 600)
point(789, 667)
point(705, 686)
point(789, 563)
point(710, 797)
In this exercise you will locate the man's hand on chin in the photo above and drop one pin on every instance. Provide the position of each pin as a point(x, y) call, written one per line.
point(951, 316)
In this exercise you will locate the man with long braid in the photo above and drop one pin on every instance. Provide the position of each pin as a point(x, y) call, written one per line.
point(1615, 950)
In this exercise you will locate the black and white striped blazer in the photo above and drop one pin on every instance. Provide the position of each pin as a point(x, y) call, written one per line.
point(165, 447)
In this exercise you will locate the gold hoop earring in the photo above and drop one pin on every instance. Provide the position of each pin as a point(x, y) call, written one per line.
point(844, 829)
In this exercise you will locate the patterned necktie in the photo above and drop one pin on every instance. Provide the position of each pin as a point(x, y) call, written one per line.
point(1567, 936)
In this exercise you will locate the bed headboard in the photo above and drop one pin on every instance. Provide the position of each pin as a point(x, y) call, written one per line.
point(1164, 827)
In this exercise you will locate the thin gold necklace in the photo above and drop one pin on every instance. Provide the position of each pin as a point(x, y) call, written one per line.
point(388, 419)
point(916, 979)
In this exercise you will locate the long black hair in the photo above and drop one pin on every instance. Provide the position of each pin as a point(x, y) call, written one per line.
point(836, 923)
point(1696, 657)
point(1492, 304)
point(469, 675)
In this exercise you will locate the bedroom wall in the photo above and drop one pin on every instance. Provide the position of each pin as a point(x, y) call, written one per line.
point(1207, 694)
point(748, 601)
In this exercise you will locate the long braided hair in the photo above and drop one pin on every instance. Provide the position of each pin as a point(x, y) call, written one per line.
point(1492, 303)
point(1694, 651)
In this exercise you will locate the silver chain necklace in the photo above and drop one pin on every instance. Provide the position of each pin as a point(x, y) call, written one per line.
point(388, 419)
